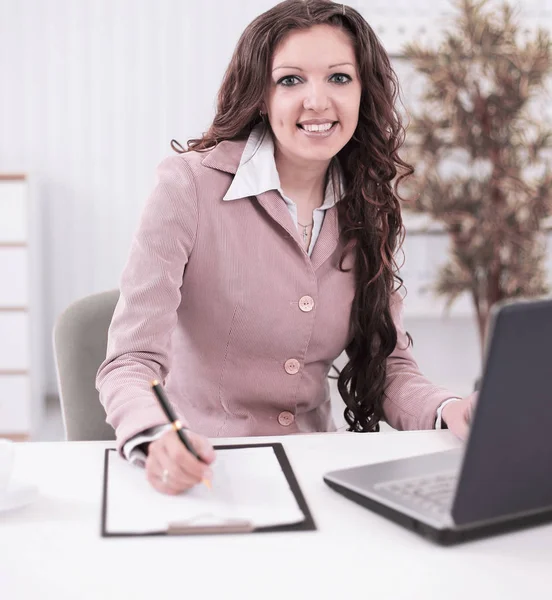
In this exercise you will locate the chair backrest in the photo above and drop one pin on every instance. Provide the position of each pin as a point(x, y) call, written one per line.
point(80, 343)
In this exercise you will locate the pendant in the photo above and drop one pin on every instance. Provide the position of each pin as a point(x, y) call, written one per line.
point(305, 235)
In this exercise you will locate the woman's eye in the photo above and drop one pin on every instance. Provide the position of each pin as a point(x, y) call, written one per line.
point(343, 78)
point(285, 81)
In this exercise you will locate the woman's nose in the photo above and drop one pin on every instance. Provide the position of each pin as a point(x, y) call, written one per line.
point(316, 99)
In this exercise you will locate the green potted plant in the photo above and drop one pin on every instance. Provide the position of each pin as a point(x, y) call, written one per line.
point(482, 152)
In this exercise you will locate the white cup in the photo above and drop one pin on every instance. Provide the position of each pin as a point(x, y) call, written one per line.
point(6, 463)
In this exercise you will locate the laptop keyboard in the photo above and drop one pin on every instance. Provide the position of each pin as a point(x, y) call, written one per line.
point(434, 492)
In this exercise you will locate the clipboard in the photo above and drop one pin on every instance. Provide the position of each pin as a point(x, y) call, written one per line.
point(195, 526)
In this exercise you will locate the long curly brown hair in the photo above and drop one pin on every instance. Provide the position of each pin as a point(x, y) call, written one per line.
point(369, 212)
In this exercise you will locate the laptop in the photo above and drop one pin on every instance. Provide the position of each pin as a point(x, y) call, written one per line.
point(501, 479)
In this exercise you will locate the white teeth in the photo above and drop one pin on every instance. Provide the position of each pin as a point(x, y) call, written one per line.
point(324, 127)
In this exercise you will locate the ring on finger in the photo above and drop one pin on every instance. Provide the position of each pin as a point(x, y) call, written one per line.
point(165, 476)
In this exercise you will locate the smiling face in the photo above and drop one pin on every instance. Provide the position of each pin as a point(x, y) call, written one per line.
point(314, 94)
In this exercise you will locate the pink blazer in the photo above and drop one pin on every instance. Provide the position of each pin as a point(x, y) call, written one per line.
point(220, 302)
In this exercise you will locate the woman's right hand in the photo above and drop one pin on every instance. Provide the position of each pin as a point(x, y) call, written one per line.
point(182, 470)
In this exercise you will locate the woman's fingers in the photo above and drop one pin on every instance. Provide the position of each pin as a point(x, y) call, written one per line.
point(461, 429)
point(165, 478)
point(184, 460)
point(182, 469)
point(203, 447)
point(456, 415)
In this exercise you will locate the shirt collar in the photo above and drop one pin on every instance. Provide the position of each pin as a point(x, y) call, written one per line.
point(257, 171)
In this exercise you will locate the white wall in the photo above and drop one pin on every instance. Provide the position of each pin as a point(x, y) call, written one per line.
point(92, 92)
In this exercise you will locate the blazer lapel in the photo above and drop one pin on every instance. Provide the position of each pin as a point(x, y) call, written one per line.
point(226, 157)
point(328, 238)
point(275, 206)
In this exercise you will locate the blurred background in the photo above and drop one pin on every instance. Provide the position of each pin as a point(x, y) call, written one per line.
point(93, 91)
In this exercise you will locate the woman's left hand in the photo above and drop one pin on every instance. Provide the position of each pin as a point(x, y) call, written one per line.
point(458, 415)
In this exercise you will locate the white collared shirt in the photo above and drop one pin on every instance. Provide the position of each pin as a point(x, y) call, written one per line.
point(257, 173)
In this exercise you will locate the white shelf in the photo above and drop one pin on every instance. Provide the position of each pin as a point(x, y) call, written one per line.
point(14, 282)
point(15, 404)
point(14, 347)
point(13, 211)
point(15, 308)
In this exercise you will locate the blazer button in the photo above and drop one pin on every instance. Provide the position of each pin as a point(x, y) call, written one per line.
point(285, 418)
point(306, 303)
point(292, 366)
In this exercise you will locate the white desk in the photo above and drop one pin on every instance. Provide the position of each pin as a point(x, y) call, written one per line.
point(53, 548)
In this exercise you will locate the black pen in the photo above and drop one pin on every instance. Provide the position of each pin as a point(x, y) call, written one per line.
point(175, 423)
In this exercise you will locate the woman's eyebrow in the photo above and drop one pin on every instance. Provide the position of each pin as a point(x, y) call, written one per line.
point(299, 68)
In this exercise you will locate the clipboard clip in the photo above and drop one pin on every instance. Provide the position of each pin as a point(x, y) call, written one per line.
point(208, 523)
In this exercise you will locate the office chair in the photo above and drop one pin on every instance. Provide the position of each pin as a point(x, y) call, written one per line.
point(80, 342)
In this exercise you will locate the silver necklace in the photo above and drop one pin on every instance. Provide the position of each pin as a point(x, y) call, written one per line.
point(305, 227)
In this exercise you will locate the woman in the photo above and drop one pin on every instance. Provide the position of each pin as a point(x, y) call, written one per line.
point(265, 250)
